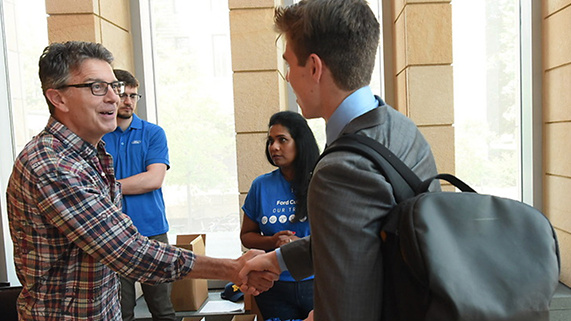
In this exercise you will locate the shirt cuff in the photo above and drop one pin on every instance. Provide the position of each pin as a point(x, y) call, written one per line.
point(281, 262)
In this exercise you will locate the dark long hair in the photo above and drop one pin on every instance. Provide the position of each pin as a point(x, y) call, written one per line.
point(306, 156)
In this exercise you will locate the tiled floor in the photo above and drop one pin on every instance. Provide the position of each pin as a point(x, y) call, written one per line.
point(561, 304)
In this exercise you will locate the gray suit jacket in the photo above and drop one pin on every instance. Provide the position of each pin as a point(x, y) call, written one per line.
point(347, 198)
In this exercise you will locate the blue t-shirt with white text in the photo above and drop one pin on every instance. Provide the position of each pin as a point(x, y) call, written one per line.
point(271, 203)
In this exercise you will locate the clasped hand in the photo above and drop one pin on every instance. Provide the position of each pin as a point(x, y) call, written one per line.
point(259, 272)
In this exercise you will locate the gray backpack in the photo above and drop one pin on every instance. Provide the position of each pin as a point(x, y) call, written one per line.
point(459, 256)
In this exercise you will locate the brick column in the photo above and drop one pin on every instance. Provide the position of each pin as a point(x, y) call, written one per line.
point(103, 21)
point(259, 90)
point(557, 125)
point(422, 46)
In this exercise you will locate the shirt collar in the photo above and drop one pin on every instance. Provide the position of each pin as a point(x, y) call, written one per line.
point(70, 139)
point(136, 123)
point(355, 105)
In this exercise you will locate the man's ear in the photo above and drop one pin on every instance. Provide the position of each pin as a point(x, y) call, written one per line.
point(316, 67)
point(57, 99)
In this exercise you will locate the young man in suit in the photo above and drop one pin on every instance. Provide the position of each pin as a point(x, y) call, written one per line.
point(330, 49)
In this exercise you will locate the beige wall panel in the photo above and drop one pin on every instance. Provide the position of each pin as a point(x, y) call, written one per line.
point(398, 6)
point(72, 6)
point(428, 29)
point(564, 240)
point(551, 6)
point(251, 159)
point(257, 96)
point(117, 12)
point(557, 47)
point(557, 96)
point(238, 4)
point(118, 41)
point(401, 93)
point(441, 140)
point(431, 95)
point(253, 40)
point(557, 203)
point(400, 45)
point(74, 27)
point(557, 154)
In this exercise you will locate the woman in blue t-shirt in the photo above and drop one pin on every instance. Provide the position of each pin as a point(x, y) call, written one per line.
point(275, 210)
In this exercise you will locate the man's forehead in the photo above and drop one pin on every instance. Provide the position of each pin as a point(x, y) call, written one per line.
point(94, 69)
point(131, 89)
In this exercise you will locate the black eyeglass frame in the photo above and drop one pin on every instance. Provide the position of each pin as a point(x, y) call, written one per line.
point(134, 97)
point(117, 86)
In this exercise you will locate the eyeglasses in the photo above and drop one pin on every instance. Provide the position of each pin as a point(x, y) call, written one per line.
point(134, 97)
point(99, 88)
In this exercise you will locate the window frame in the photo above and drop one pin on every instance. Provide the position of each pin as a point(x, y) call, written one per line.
point(6, 157)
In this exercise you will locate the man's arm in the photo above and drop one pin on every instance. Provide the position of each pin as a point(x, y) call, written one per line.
point(300, 265)
point(254, 269)
point(228, 269)
point(297, 257)
point(144, 182)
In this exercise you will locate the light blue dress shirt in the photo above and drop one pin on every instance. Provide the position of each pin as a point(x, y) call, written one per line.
point(358, 103)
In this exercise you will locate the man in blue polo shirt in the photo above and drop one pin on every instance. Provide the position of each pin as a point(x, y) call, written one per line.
point(140, 158)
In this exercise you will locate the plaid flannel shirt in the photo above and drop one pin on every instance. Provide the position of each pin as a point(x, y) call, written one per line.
point(70, 237)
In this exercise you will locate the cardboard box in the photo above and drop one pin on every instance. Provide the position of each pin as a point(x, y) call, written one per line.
point(189, 294)
point(244, 317)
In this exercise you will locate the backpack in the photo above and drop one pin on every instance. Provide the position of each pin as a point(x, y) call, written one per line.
point(459, 256)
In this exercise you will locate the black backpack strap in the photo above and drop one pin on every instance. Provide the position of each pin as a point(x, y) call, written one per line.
point(450, 179)
point(404, 181)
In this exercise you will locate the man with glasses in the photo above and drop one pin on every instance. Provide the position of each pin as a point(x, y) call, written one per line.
point(141, 159)
point(71, 239)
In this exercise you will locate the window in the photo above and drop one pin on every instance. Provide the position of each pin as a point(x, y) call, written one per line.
point(487, 104)
point(23, 110)
point(195, 106)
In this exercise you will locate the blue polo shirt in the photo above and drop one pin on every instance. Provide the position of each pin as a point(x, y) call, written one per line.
point(141, 145)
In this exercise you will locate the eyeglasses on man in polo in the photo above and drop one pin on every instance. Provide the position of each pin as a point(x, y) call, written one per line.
point(134, 97)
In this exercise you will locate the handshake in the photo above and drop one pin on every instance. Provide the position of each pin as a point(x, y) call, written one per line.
point(255, 271)
point(258, 271)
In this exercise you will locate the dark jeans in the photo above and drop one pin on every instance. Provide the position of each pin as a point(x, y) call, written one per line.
point(287, 300)
point(158, 297)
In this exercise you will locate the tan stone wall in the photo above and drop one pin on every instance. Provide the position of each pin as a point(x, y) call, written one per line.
point(557, 124)
point(259, 90)
point(422, 47)
point(104, 21)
